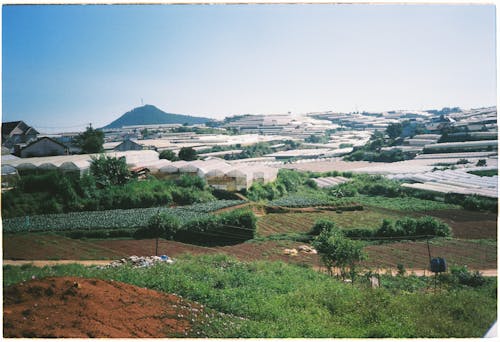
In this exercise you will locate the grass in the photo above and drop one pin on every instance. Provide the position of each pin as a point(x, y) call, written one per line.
point(281, 300)
point(402, 203)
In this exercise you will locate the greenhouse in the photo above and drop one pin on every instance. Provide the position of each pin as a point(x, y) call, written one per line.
point(218, 177)
point(47, 167)
point(75, 167)
point(155, 166)
point(9, 176)
point(172, 169)
point(79, 162)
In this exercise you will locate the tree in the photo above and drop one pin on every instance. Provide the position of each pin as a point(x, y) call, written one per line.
point(336, 250)
point(145, 133)
point(109, 170)
point(169, 155)
point(322, 225)
point(394, 130)
point(90, 141)
point(187, 153)
point(162, 225)
point(481, 162)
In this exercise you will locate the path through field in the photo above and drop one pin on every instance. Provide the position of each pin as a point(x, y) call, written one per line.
point(42, 263)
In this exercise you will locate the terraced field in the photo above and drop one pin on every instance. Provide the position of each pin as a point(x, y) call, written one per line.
point(477, 254)
point(272, 224)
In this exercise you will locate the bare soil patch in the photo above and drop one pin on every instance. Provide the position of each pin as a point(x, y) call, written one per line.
point(468, 224)
point(81, 308)
point(475, 255)
point(33, 246)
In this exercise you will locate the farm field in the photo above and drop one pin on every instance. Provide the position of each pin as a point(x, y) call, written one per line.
point(300, 222)
point(110, 219)
point(476, 254)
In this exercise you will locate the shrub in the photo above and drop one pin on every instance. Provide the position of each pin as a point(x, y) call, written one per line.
point(465, 277)
point(169, 155)
point(188, 181)
point(321, 225)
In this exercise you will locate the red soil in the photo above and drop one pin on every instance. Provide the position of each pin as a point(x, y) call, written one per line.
point(467, 224)
point(80, 308)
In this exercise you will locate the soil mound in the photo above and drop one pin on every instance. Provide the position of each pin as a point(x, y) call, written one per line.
point(83, 307)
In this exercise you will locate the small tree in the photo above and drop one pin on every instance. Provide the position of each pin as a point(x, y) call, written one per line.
point(336, 250)
point(321, 225)
point(162, 225)
point(481, 162)
point(109, 170)
point(187, 153)
point(394, 130)
point(169, 155)
point(90, 141)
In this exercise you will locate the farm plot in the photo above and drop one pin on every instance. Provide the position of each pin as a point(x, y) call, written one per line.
point(109, 219)
point(48, 246)
point(403, 204)
point(302, 222)
point(476, 254)
point(304, 200)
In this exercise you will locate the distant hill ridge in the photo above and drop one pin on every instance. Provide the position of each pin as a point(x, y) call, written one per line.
point(151, 115)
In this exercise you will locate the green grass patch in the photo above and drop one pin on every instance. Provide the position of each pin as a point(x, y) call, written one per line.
point(280, 300)
point(402, 203)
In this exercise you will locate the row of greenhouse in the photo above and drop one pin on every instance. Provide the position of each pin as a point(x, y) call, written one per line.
point(218, 173)
point(452, 181)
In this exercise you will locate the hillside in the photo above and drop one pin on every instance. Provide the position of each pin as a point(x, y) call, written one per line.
point(151, 115)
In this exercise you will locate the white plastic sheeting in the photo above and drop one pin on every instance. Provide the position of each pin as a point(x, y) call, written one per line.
point(452, 181)
point(81, 161)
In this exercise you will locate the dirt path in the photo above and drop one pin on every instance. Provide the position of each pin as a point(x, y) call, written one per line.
point(419, 272)
point(41, 263)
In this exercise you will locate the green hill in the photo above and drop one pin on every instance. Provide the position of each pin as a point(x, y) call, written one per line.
point(151, 115)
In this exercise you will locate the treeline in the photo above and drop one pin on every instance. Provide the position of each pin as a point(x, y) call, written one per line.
point(405, 228)
point(287, 181)
point(393, 135)
point(55, 192)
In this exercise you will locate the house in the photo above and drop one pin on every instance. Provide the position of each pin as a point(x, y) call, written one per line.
point(17, 132)
point(43, 147)
point(129, 145)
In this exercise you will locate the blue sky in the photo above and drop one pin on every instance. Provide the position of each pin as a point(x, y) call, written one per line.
point(66, 66)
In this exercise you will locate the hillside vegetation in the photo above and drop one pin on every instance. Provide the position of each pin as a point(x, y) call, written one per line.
point(151, 115)
point(264, 299)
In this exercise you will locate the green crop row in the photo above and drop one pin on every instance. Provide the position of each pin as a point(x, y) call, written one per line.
point(109, 219)
point(308, 200)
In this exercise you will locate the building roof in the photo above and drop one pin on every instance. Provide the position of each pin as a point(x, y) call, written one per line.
point(8, 127)
point(47, 138)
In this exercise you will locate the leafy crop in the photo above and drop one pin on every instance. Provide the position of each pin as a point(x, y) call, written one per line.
point(109, 219)
point(302, 200)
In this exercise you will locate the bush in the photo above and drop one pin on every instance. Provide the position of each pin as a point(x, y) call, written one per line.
point(410, 227)
point(169, 155)
point(321, 225)
point(188, 181)
point(465, 277)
